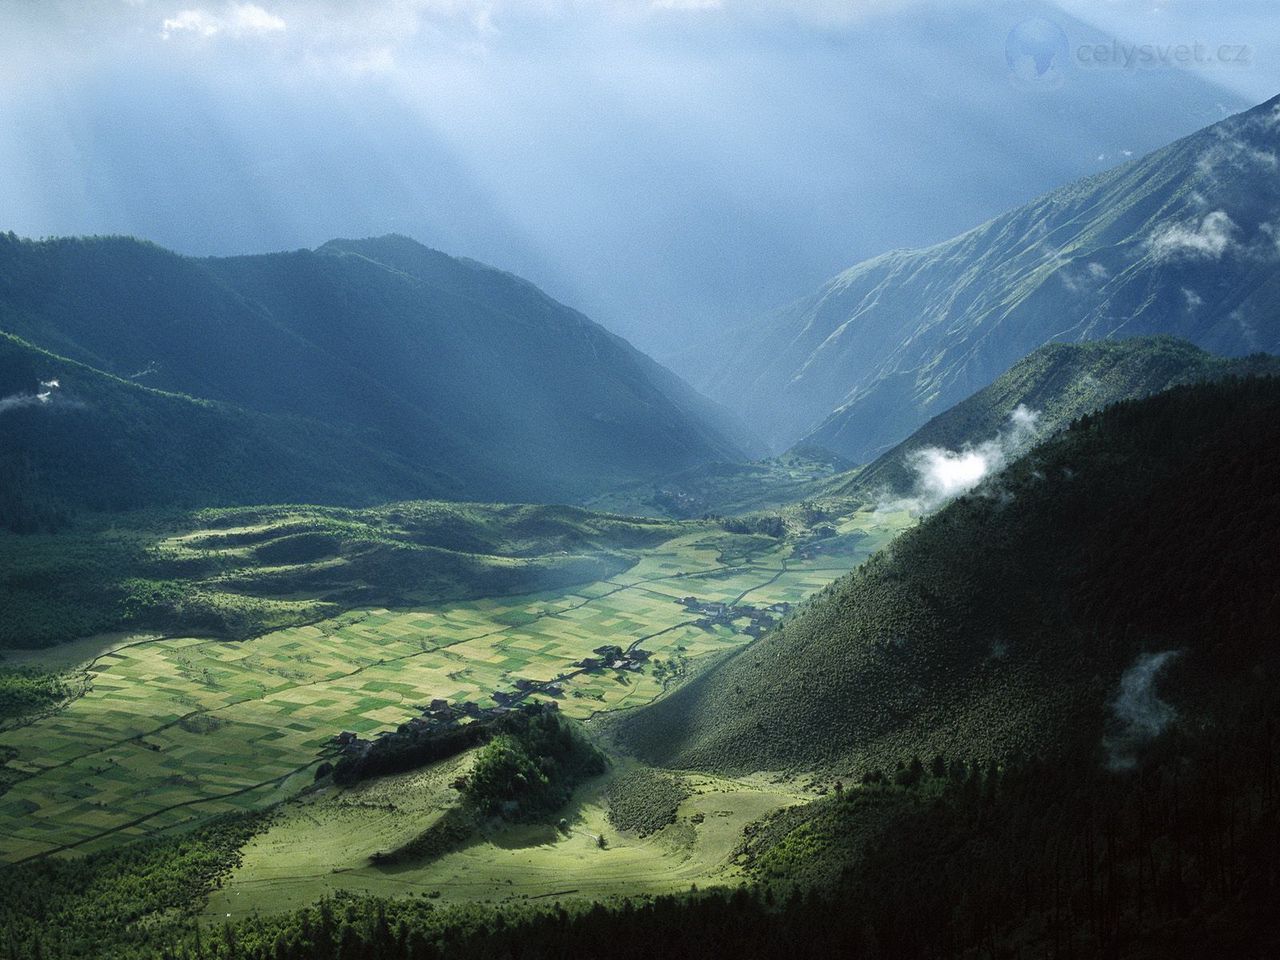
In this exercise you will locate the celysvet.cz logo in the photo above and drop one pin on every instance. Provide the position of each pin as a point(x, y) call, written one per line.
point(1128, 56)
point(1040, 55)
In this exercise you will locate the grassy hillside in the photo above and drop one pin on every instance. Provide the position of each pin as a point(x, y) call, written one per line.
point(1060, 382)
point(452, 376)
point(236, 572)
point(1178, 242)
point(1004, 622)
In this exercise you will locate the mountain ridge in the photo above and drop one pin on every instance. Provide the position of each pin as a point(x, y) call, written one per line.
point(444, 366)
point(1180, 241)
point(1055, 383)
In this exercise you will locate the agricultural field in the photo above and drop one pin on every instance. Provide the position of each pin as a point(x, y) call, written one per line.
point(173, 730)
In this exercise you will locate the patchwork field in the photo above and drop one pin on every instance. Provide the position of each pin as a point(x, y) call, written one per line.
point(174, 730)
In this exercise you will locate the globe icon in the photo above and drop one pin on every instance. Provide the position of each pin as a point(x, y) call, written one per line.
point(1037, 54)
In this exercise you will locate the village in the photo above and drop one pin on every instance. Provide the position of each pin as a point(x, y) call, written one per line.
point(441, 715)
point(715, 613)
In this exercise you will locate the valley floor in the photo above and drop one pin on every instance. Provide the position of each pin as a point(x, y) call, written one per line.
point(174, 730)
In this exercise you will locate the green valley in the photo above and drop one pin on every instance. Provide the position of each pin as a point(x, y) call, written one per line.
point(174, 729)
point(364, 601)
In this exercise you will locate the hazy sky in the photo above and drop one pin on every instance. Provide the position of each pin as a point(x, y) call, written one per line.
point(669, 167)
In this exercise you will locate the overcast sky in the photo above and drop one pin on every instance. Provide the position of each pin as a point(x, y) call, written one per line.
point(671, 167)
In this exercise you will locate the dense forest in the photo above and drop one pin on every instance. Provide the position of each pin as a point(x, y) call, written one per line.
point(1011, 615)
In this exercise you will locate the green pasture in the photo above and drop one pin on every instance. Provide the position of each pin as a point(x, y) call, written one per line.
point(323, 843)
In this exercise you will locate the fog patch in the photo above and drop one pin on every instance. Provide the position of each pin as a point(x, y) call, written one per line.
point(1139, 715)
point(1207, 239)
point(941, 475)
point(1086, 279)
point(38, 398)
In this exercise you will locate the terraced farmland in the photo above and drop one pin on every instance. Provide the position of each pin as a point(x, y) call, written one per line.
point(173, 730)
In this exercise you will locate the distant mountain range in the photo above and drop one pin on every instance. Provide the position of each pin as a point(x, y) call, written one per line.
point(1183, 241)
point(356, 373)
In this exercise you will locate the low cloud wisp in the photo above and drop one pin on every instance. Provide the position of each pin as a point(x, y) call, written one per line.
point(942, 475)
point(1139, 714)
point(237, 20)
point(1208, 239)
point(16, 401)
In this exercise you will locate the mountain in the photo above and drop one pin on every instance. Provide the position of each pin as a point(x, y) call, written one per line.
point(773, 148)
point(1012, 620)
point(1183, 242)
point(445, 377)
point(74, 436)
point(1058, 383)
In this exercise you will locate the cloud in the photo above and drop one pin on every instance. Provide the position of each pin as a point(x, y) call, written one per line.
point(192, 21)
point(1192, 299)
point(402, 25)
point(941, 475)
point(1232, 153)
point(39, 398)
point(1207, 240)
point(686, 4)
point(1139, 716)
point(1086, 279)
point(235, 20)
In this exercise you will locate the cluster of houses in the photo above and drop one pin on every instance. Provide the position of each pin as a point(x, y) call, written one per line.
point(678, 503)
point(441, 714)
point(613, 657)
point(724, 614)
point(608, 657)
point(438, 715)
point(349, 745)
point(825, 541)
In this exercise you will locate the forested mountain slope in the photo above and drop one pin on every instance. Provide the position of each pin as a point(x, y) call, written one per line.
point(1057, 383)
point(469, 380)
point(1182, 242)
point(98, 442)
point(1003, 623)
